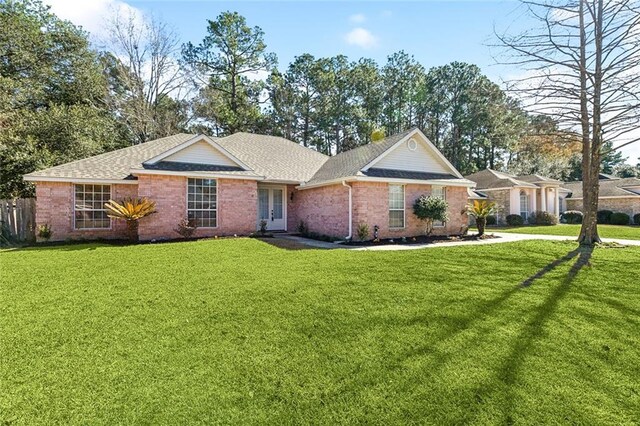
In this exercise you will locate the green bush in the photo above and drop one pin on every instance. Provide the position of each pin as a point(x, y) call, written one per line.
point(604, 216)
point(572, 216)
point(542, 218)
point(430, 209)
point(636, 218)
point(491, 220)
point(302, 228)
point(619, 218)
point(515, 220)
point(363, 231)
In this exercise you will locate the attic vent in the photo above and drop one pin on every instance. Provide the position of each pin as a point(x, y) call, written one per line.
point(412, 144)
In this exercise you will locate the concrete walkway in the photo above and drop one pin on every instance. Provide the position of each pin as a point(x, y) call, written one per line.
point(503, 237)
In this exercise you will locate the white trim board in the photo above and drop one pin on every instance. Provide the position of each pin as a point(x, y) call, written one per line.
point(194, 140)
point(431, 147)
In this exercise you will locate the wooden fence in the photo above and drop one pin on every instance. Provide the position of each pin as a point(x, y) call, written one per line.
point(18, 219)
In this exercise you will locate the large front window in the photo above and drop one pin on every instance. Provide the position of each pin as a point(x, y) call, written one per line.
point(202, 203)
point(396, 206)
point(88, 208)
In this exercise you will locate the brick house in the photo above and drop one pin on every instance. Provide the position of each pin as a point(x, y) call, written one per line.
point(615, 194)
point(521, 195)
point(229, 185)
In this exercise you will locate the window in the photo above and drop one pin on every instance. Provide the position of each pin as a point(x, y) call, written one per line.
point(202, 202)
point(396, 206)
point(88, 207)
point(524, 205)
point(440, 192)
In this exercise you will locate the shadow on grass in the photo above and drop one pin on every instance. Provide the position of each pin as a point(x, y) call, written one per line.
point(534, 328)
point(507, 371)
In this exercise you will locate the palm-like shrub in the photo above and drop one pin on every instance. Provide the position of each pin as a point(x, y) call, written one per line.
point(131, 210)
point(480, 210)
point(430, 209)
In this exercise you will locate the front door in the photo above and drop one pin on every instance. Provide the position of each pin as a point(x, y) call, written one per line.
point(271, 207)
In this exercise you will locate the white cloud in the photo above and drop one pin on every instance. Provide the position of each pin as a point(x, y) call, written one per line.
point(91, 14)
point(358, 18)
point(362, 38)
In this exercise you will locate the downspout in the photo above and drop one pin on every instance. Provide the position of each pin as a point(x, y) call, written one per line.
point(344, 183)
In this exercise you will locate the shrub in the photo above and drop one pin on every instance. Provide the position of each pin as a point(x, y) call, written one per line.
point(491, 220)
point(430, 209)
point(619, 218)
point(481, 209)
point(131, 210)
point(363, 231)
point(604, 216)
point(572, 216)
point(636, 218)
point(515, 220)
point(186, 227)
point(542, 218)
point(302, 228)
point(263, 227)
point(44, 231)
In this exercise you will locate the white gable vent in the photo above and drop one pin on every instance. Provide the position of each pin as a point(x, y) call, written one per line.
point(412, 144)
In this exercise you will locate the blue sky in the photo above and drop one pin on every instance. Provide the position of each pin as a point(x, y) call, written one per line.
point(435, 32)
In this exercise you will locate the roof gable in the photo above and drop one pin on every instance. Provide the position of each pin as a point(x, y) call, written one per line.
point(414, 153)
point(200, 149)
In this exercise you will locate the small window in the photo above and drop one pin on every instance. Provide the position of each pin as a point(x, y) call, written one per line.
point(396, 206)
point(202, 203)
point(88, 207)
point(440, 192)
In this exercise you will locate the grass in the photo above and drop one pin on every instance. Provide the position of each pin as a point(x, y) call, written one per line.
point(605, 231)
point(239, 331)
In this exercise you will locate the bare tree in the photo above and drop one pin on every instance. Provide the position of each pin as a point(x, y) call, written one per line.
point(583, 68)
point(149, 87)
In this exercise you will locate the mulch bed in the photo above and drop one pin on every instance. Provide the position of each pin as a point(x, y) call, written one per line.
point(420, 239)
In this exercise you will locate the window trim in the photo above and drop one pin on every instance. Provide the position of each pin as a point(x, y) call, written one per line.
point(73, 206)
point(404, 207)
point(186, 202)
point(444, 197)
point(526, 212)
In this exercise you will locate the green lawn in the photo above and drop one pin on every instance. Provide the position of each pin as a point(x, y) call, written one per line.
point(605, 231)
point(239, 331)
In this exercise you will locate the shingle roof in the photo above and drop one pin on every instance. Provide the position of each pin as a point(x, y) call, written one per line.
point(625, 187)
point(272, 157)
point(537, 179)
point(490, 179)
point(115, 165)
point(406, 174)
point(349, 163)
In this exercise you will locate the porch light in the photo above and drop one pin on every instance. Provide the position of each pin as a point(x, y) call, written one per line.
point(291, 196)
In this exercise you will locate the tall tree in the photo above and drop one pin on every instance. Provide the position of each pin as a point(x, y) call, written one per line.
point(585, 57)
point(143, 60)
point(224, 67)
point(52, 95)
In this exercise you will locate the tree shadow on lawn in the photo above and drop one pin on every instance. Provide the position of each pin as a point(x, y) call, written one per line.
point(508, 371)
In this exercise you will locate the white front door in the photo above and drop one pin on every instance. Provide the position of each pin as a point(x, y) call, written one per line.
point(271, 207)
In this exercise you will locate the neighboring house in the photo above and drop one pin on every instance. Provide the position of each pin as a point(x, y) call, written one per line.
point(229, 185)
point(615, 194)
point(521, 195)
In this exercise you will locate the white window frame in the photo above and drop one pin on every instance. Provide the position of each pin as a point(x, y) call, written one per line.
point(524, 214)
point(75, 228)
point(202, 210)
point(404, 209)
point(438, 224)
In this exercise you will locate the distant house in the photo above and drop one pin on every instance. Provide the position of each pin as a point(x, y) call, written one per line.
point(230, 185)
point(521, 195)
point(615, 194)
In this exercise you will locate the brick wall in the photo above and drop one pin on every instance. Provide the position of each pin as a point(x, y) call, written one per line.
point(54, 206)
point(237, 207)
point(502, 198)
point(629, 205)
point(324, 210)
point(371, 204)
